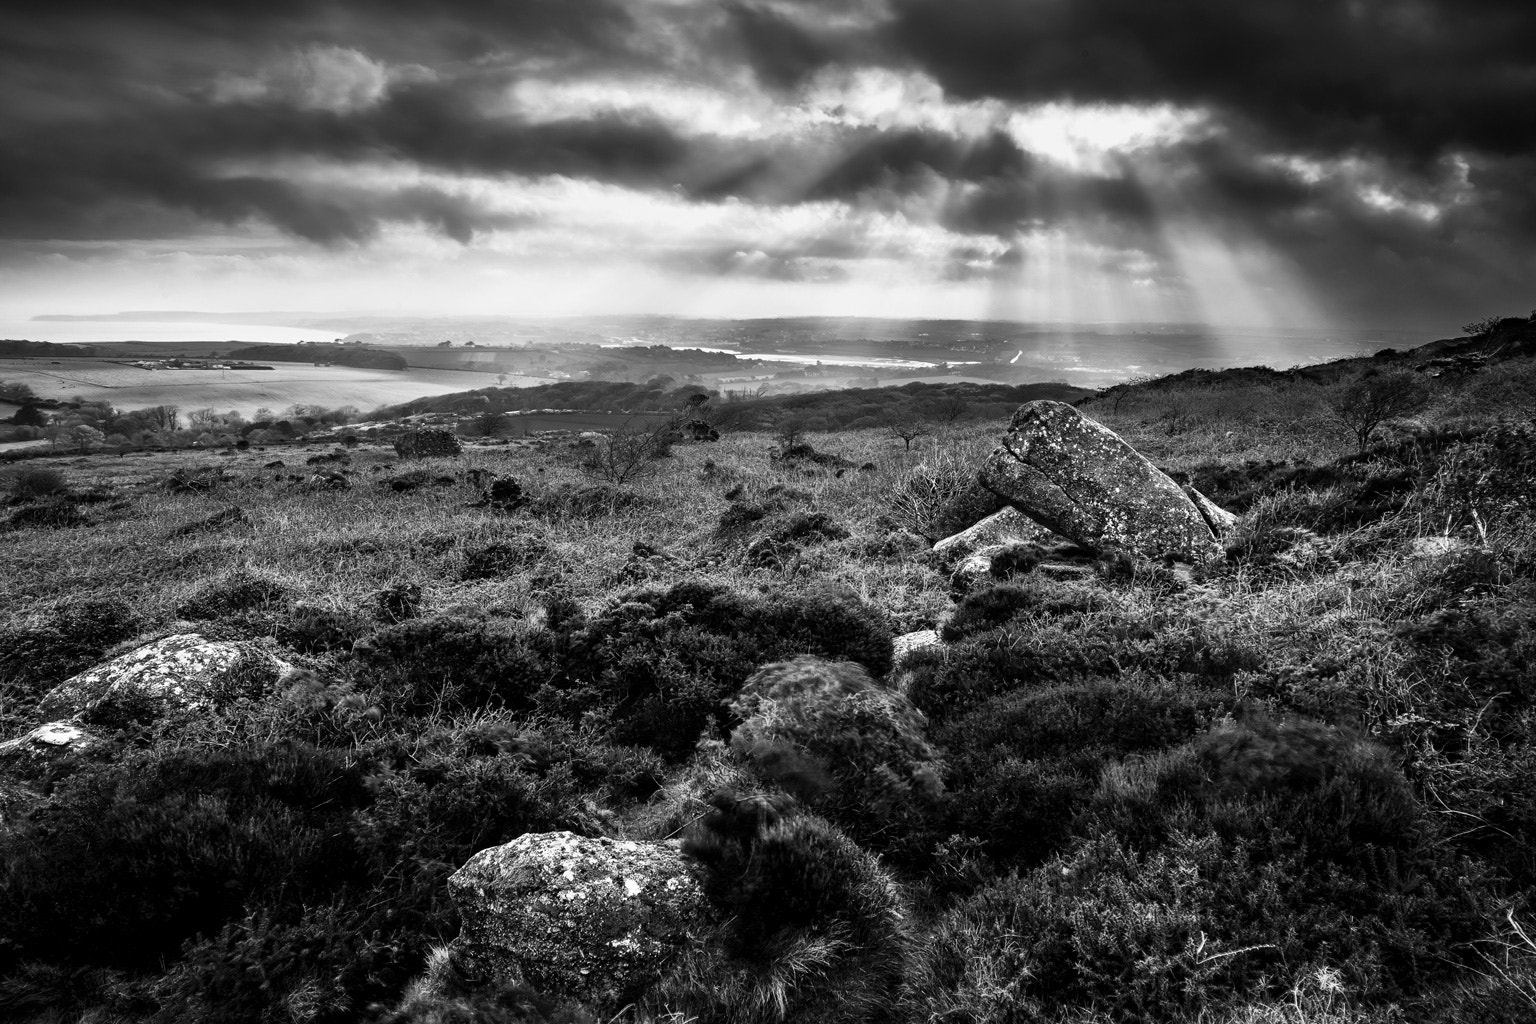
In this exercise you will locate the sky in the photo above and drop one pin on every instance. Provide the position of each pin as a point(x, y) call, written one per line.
point(1293, 163)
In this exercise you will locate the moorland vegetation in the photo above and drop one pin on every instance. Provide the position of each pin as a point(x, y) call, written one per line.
point(1293, 785)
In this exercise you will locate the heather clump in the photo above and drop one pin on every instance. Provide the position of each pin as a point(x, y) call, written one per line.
point(237, 592)
point(449, 663)
point(812, 927)
point(659, 663)
point(855, 751)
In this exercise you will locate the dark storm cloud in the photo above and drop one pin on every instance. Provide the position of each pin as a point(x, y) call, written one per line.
point(900, 161)
point(849, 163)
point(781, 52)
point(1410, 75)
point(111, 110)
point(146, 197)
point(1330, 124)
point(59, 177)
point(463, 27)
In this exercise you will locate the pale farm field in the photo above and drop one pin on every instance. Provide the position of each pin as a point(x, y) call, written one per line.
point(243, 391)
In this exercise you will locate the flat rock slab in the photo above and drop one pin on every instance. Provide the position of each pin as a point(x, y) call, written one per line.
point(595, 919)
point(1002, 527)
point(173, 670)
point(1078, 478)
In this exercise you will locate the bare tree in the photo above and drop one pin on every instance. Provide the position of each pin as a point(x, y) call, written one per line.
point(630, 451)
point(907, 426)
point(789, 432)
point(1478, 328)
point(1363, 402)
point(1123, 390)
point(949, 409)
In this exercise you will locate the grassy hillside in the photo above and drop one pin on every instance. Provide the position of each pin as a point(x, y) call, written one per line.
point(1293, 786)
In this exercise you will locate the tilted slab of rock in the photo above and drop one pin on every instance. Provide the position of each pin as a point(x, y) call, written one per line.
point(1078, 478)
point(1000, 527)
point(175, 669)
point(597, 919)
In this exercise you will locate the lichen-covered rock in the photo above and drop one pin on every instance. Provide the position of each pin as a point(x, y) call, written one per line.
point(427, 442)
point(1000, 527)
point(175, 670)
point(1078, 478)
point(595, 919)
point(1217, 518)
point(32, 753)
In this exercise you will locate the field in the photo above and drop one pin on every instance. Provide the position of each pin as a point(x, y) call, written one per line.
point(1290, 786)
point(243, 391)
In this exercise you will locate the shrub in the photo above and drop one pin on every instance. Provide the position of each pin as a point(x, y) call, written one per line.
point(51, 513)
point(38, 482)
point(1366, 400)
point(630, 451)
point(310, 629)
point(583, 502)
point(785, 538)
point(444, 996)
point(233, 593)
point(814, 926)
point(428, 442)
point(397, 602)
point(1205, 921)
point(502, 558)
point(135, 857)
point(451, 663)
point(1072, 646)
point(72, 637)
point(194, 481)
point(854, 750)
point(660, 663)
point(1483, 481)
point(995, 606)
point(1027, 762)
